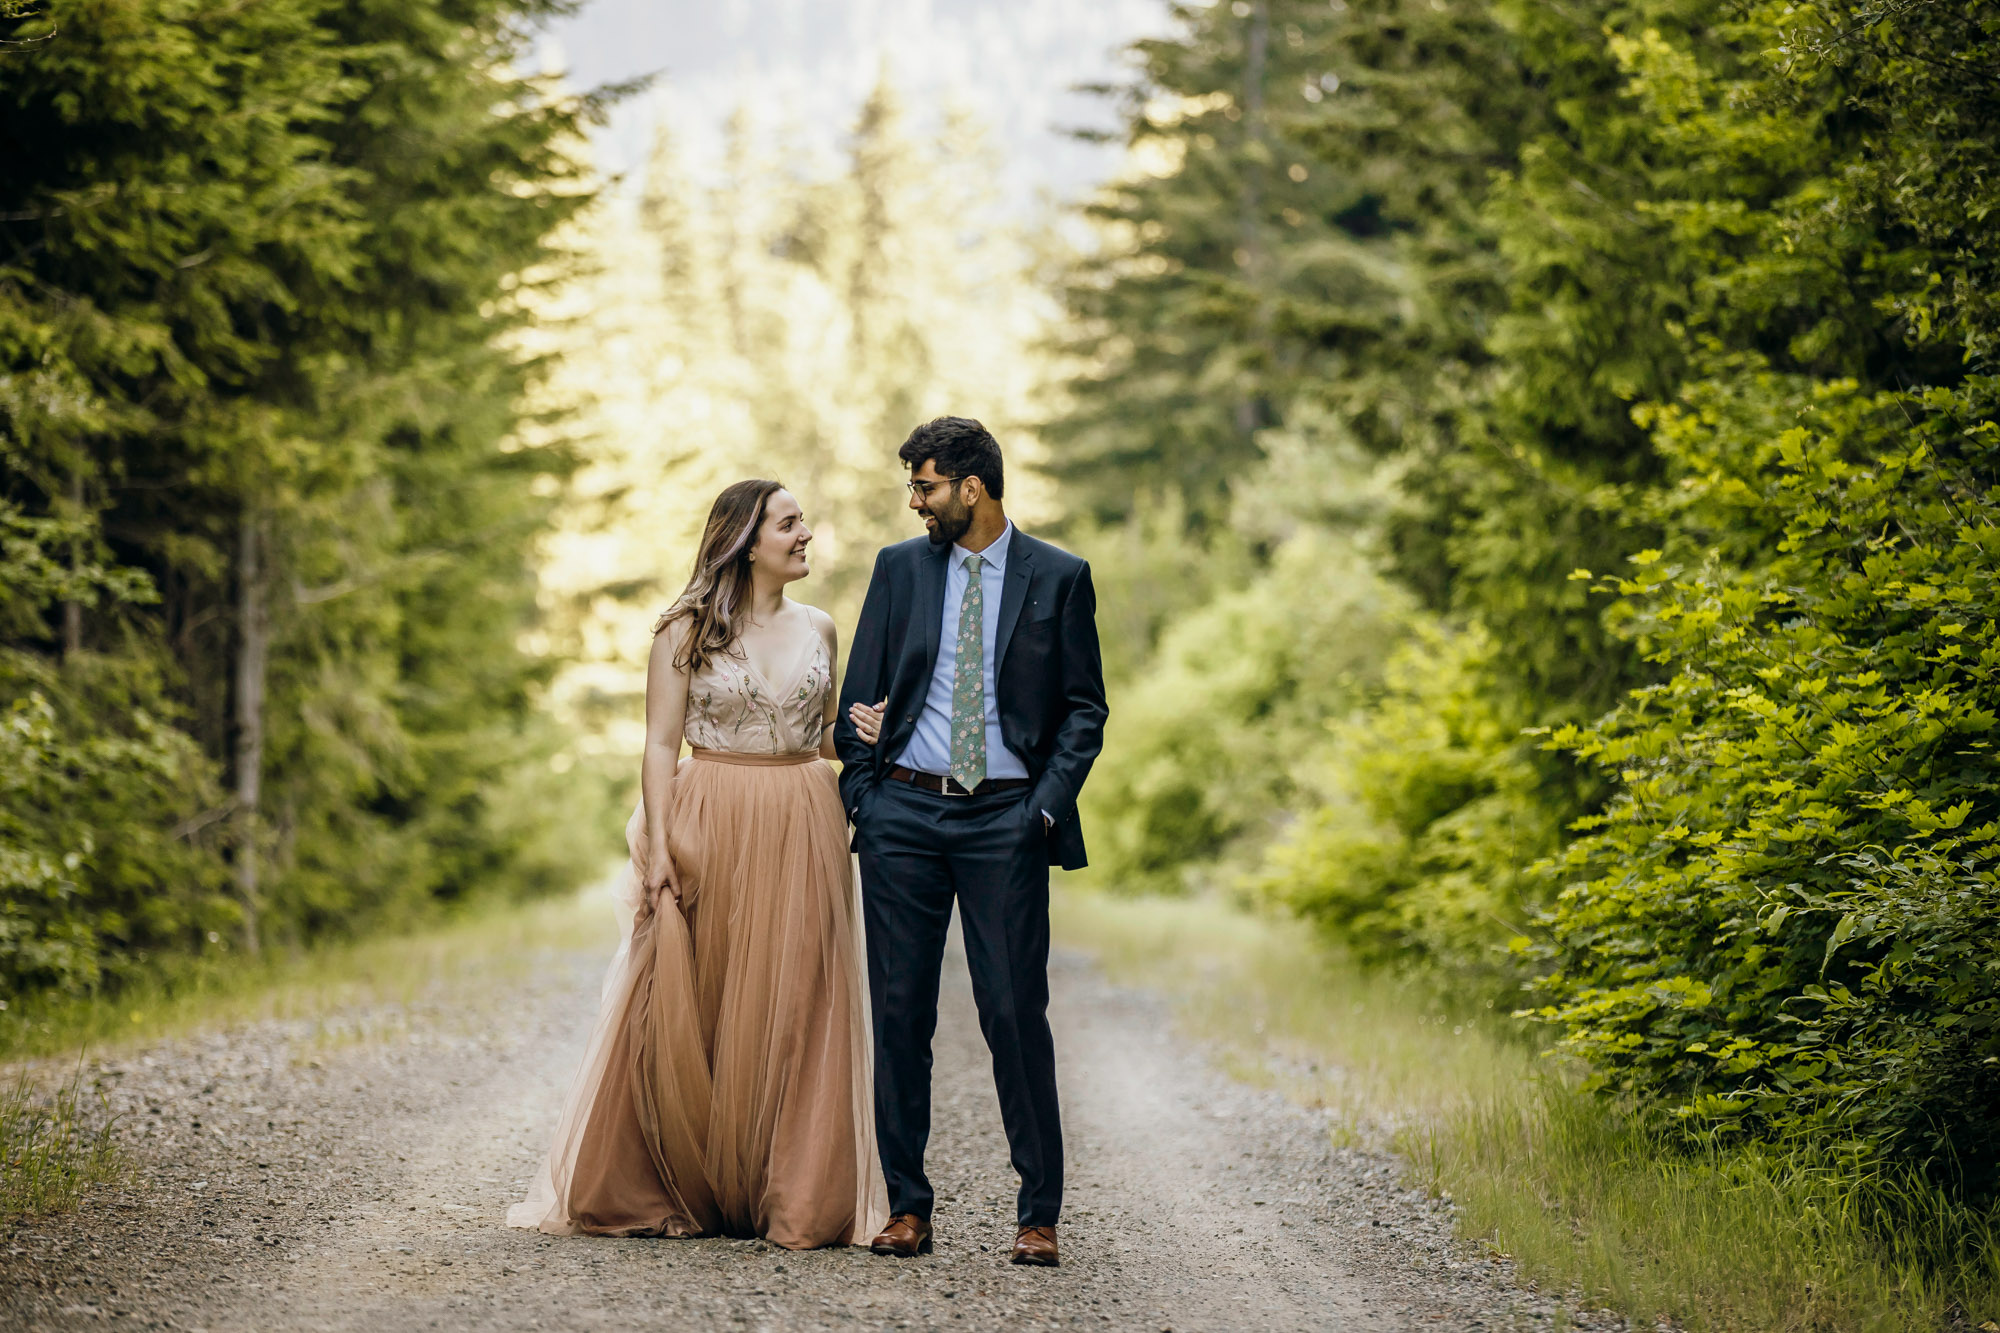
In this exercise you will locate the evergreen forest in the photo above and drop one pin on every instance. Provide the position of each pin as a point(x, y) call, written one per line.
point(268, 495)
point(1538, 460)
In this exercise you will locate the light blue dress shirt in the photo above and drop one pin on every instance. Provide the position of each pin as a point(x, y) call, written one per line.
point(929, 750)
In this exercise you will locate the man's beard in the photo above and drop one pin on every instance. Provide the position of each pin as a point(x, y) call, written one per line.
point(951, 524)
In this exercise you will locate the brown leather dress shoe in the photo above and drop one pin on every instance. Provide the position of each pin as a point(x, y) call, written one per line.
point(1036, 1245)
point(906, 1236)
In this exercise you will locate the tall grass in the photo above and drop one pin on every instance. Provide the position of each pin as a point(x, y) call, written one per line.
point(1656, 1225)
point(496, 943)
point(53, 1146)
point(1626, 1211)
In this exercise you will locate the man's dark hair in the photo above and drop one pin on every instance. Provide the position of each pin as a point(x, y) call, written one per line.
point(960, 447)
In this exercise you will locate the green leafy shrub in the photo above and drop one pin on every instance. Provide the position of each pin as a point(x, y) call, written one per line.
point(1788, 918)
point(1786, 922)
point(87, 887)
point(108, 851)
point(1418, 856)
point(1222, 732)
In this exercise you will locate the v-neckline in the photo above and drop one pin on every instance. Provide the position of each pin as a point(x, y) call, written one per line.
point(800, 669)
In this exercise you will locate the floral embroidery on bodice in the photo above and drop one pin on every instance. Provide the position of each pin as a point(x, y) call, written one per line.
point(732, 707)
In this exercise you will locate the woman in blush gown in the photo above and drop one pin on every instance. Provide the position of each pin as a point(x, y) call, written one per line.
point(725, 1089)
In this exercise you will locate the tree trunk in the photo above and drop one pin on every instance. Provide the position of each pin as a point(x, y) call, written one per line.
point(1250, 222)
point(252, 652)
point(1256, 48)
point(72, 608)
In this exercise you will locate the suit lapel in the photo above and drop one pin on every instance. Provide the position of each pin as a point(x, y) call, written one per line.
point(930, 606)
point(1020, 568)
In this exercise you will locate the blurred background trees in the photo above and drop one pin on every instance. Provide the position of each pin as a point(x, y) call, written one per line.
point(784, 313)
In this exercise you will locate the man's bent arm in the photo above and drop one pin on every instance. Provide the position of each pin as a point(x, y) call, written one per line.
point(1081, 735)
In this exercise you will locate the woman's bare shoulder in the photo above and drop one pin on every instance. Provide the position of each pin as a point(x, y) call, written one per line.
point(669, 634)
point(821, 622)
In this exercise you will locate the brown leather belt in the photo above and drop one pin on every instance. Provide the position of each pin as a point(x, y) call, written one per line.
point(950, 786)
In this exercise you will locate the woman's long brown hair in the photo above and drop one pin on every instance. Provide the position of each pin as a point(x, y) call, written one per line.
point(720, 584)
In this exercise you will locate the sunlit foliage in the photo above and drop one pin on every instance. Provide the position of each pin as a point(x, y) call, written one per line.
point(1706, 306)
point(1787, 918)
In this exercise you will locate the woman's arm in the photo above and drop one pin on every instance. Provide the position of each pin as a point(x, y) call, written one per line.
point(867, 678)
point(827, 631)
point(666, 714)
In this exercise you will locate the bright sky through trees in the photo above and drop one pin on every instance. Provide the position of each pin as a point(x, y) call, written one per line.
point(1012, 63)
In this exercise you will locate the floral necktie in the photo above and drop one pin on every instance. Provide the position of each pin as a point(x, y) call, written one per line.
point(968, 684)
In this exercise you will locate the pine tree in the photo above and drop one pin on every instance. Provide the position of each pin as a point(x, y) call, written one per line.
point(1296, 241)
point(255, 269)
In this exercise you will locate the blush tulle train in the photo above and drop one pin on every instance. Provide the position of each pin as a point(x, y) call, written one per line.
point(725, 1087)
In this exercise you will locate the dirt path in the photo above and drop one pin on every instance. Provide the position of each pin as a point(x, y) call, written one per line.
point(290, 1180)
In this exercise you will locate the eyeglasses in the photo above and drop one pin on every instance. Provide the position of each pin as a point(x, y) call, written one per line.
point(922, 489)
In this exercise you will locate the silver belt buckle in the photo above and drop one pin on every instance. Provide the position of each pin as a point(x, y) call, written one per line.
point(945, 787)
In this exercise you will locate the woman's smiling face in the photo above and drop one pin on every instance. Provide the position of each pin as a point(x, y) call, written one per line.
point(781, 543)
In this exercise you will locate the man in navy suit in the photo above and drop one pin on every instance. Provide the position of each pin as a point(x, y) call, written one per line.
point(972, 709)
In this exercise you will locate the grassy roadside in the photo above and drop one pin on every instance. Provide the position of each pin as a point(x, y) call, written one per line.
point(217, 992)
point(52, 1148)
point(54, 1144)
point(1585, 1198)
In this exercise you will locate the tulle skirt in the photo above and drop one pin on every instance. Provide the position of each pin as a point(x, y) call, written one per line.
point(725, 1088)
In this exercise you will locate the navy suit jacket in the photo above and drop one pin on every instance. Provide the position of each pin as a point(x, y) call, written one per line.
point(1049, 682)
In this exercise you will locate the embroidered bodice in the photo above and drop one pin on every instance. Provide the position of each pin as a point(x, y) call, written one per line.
point(732, 707)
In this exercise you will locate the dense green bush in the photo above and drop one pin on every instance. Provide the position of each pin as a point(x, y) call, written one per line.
point(1324, 259)
point(1419, 854)
point(81, 884)
point(1220, 736)
point(1789, 914)
point(1788, 919)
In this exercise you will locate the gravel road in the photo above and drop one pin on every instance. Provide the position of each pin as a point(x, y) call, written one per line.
point(353, 1174)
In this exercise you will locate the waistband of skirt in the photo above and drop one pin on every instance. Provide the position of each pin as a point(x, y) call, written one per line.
point(754, 760)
